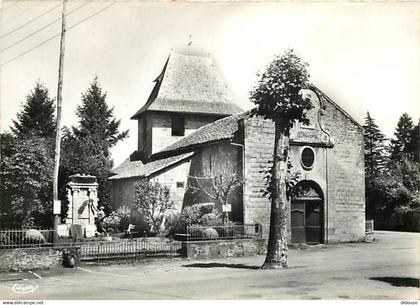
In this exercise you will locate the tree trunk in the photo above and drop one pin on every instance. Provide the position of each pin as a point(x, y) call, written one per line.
point(277, 240)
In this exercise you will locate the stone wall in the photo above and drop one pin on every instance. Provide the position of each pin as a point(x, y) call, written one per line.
point(338, 170)
point(346, 179)
point(212, 161)
point(162, 128)
point(29, 259)
point(259, 139)
point(123, 192)
point(176, 180)
point(209, 249)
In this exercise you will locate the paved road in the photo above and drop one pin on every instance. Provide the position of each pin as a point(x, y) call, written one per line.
point(343, 271)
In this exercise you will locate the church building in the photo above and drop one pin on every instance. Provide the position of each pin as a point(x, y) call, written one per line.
point(218, 139)
point(188, 94)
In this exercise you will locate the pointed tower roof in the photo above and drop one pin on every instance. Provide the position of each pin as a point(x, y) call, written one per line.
point(190, 84)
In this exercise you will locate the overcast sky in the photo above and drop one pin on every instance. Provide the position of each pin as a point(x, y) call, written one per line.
point(365, 56)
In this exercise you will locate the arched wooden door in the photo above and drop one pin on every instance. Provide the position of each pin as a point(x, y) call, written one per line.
point(307, 214)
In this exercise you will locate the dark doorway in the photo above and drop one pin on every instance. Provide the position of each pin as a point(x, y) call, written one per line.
point(307, 214)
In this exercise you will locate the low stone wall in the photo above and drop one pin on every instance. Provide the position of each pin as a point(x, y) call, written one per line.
point(209, 249)
point(34, 258)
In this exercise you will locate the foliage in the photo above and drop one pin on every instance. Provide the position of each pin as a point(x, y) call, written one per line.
point(375, 158)
point(118, 220)
point(292, 178)
point(86, 147)
point(392, 186)
point(218, 187)
point(26, 168)
point(211, 219)
point(210, 233)
point(394, 195)
point(414, 145)
point(153, 201)
point(197, 214)
point(278, 96)
point(402, 144)
point(37, 118)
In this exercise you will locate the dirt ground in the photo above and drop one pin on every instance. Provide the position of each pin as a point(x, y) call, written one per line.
point(386, 269)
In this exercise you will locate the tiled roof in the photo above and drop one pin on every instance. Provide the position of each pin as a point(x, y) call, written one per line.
point(190, 84)
point(132, 169)
point(223, 129)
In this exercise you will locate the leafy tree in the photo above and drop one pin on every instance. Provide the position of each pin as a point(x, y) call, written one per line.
point(37, 116)
point(397, 192)
point(26, 167)
point(278, 96)
point(218, 188)
point(87, 146)
point(400, 146)
point(374, 147)
point(414, 145)
point(152, 201)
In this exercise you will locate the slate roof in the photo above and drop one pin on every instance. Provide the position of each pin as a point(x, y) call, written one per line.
point(190, 84)
point(220, 130)
point(131, 169)
point(223, 129)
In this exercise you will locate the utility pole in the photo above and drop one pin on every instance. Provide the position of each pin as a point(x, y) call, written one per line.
point(57, 205)
point(189, 45)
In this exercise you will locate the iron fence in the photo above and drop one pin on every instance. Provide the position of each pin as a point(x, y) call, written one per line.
point(369, 226)
point(127, 251)
point(236, 231)
point(23, 238)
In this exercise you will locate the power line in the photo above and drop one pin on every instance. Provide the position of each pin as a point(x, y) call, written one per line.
point(28, 22)
point(21, 13)
point(56, 35)
point(43, 28)
point(9, 6)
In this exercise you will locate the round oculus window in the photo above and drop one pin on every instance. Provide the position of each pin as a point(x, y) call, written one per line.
point(307, 158)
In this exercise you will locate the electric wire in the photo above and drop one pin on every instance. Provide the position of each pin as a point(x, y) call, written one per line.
point(42, 28)
point(52, 37)
point(30, 21)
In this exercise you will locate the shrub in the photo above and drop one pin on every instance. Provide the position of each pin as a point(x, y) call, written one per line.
point(153, 201)
point(118, 220)
point(198, 215)
point(177, 224)
point(111, 222)
point(209, 233)
point(211, 219)
point(34, 236)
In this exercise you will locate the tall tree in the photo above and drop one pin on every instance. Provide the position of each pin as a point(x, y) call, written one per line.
point(278, 96)
point(400, 146)
point(37, 116)
point(26, 166)
point(414, 145)
point(87, 146)
point(374, 147)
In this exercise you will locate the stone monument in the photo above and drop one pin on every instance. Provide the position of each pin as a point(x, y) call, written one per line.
point(83, 203)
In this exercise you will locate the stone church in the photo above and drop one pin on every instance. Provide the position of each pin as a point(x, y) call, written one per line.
point(190, 130)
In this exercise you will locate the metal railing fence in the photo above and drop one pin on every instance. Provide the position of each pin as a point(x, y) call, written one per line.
point(369, 226)
point(236, 231)
point(24, 237)
point(127, 251)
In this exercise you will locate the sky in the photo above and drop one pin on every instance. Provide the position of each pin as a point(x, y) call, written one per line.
point(364, 55)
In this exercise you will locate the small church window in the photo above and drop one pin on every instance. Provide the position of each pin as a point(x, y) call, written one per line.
point(307, 158)
point(178, 125)
point(180, 184)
